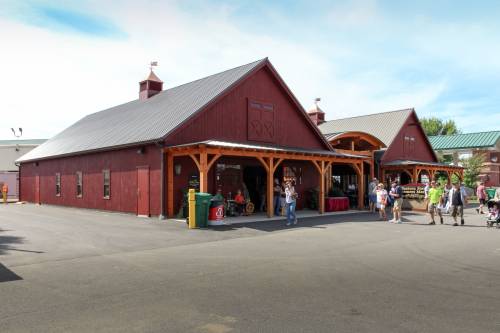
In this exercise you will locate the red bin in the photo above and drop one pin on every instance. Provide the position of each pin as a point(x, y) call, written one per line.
point(216, 213)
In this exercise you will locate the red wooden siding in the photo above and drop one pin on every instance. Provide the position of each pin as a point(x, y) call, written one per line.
point(227, 120)
point(410, 144)
point(122, 165)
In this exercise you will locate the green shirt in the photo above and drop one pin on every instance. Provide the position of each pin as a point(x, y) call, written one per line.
point(435, 194)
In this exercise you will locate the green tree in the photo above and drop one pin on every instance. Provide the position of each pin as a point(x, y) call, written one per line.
point(435, 126)
point(472, 169)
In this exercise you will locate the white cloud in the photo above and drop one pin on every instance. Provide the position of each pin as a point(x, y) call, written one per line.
point(54, 79)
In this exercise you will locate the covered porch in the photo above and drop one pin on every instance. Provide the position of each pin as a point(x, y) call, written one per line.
point(416, 172)
point(311, 167)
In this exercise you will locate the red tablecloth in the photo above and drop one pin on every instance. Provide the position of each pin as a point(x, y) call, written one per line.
point(336, 204)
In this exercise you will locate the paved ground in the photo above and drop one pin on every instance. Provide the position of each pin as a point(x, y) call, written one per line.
point(67, 270)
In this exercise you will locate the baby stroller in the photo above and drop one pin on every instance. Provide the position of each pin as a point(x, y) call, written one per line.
point(491, 221)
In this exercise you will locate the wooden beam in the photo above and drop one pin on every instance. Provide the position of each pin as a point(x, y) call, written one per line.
point(270, 186)
point(321, 194)
point(277, 163)
point(415, 174)
point(213, 160)
point(170, 185)
point(203, 171)
point(196, 161)
point(263, 162)
point(361, 187)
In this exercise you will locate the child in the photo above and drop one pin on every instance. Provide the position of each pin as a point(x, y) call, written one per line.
point(382, 201)
point(493, 212)
point(240, 202)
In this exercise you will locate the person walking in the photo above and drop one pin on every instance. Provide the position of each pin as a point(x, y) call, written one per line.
point(291, 197)
point(5, 191)
point(382, 201)
point(372, 194)
point(458, 197)
point(277, 197)
point(481, 195)
point(396, 194)
point(435, 198)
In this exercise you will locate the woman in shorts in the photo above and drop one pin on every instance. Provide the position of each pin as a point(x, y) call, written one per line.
point(382, 201)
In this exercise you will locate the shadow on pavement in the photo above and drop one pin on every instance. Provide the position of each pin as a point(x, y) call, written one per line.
point(6, 275)
point(308, 222)
point(7, 241)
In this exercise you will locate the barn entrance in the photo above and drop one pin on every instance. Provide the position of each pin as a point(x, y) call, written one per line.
point(254, 177)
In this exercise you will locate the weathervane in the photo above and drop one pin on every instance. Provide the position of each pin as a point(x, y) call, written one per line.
point(153, 64)
point(317, 100)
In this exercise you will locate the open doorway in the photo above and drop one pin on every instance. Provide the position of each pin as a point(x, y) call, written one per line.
point(254, 178)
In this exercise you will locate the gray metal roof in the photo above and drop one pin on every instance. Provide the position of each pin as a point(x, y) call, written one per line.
point(140, 121)
point(384, 126)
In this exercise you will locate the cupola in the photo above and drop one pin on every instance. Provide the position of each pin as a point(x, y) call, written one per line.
point(316, 114)
point(151, 86)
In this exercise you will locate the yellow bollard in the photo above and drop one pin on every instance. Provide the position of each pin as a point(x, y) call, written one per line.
point(192, 209)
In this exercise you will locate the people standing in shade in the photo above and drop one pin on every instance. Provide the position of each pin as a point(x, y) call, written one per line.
point(481, 196)
point(381, 201)
point(5, 191)
point(372, 194)
point(396, 194)
point(277, 197)
point(291, 197)
point(458, 197)
point(435, 199)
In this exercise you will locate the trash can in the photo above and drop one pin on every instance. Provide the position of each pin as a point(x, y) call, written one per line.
point(216, 213)
point(202, 206)
point(490, 192)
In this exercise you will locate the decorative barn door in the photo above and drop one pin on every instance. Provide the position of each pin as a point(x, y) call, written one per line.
point(143, 191)
point(37, 189)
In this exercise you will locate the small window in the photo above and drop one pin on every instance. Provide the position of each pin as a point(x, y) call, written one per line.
point(79, 184)
point(58, 184)
point(106, 184)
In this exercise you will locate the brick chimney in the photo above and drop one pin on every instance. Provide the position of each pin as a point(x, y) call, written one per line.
point(316, 114)
point(150, 87)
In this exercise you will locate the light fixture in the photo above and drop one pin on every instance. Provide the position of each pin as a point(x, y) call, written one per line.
point(494, 159)
point(178, 169)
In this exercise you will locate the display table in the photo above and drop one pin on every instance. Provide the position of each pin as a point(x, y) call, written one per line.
point(335, 204)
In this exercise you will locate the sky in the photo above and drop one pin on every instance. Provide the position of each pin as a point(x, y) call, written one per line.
point(62, 60)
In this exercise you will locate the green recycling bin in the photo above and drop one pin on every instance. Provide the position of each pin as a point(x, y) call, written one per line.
point(490, 192)
point(202, 208)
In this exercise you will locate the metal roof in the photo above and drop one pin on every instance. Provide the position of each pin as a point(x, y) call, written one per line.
point(140, 121)
point(22, 142)
point(464, 141)
point(384, 126)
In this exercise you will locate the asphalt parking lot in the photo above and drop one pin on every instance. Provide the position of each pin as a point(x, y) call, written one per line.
point(72, 270)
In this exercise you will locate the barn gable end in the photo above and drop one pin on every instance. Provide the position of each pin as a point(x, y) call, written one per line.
point(410, 143)
point(258, 110)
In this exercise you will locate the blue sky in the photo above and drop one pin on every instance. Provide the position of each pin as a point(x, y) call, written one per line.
point(360, 57)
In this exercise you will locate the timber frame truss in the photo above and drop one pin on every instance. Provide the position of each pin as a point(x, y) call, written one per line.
point(205, 155)
point(414, 171)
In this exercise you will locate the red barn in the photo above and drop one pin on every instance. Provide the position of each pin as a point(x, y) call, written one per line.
point(395, 139)
point(239, 128)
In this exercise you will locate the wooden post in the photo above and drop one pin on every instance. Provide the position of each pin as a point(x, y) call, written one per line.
point(170, 185)
point(415, 175)
point(321, 195)
point(361, 187)
point(203, 171)
point(270, 186)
